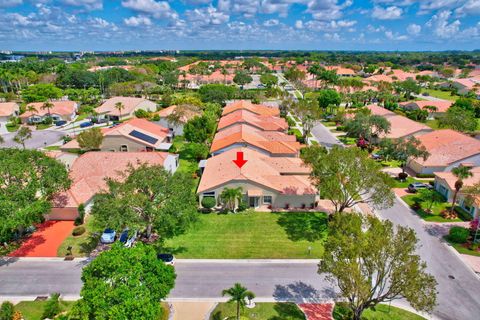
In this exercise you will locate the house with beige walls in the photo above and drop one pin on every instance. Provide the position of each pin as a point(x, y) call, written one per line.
point(128, 105)
point(266, 182)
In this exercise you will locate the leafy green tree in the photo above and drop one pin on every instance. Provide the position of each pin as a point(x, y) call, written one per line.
point(407, 87)
point(367, 126)
point(90, 139)
point(7, 310)
point(308, 112)
point(269, 80)
point(461, 173)
point(149, 197)
point(294, 74)
point(242, 78)
point(329, 99)
point(347, 177)
point(52, 307)
point(230, 197)
point(29, 181)
point(217, 93)
point(403, 150)
point(199, 129)
point(458, 119)
point(23, 134)
point(198, 150)
point(41, 92)
point(431, 197)
point(124, 283)
point(372, 262)
point(238, 294)
point(468, 104)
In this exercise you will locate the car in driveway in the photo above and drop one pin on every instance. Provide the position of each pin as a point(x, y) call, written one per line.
point(124, 236)
point(167, 258)
point(108, 236)
point(60, 123)
point(415, 186)
point(86, 124)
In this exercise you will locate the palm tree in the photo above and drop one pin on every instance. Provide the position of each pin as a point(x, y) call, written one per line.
point(238, 294)
point(119, 106)
point(461, 173)
point(230, 196)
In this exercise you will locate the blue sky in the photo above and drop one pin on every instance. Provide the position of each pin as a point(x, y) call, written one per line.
point(240, 24)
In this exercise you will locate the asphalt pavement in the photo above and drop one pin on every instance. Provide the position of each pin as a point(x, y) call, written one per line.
point(458, 286)
point(39, 139)
point(25, 279)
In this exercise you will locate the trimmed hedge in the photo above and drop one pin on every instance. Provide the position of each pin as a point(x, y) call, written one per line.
point(78, 231)
point(209, 202)
point(425, 175)
point(458, 234)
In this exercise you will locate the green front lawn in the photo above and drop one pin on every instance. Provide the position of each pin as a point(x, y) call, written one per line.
point(445, 95)
point(188, 162)
point(432, 124)
point(252, 235)
point(463, 248)
point(33, 310)
point(11, 127)
point(42, 126)
point(391, 164)
point(52, 148)
point(329, 124)
point(261, 311)
point(83, 244)
point(347, 140)
point(437, 208)
point(381, 312)
point(404, 184)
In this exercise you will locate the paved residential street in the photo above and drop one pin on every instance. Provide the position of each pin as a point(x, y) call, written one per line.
point(284, 280)
point(324, 136)
point(458, 297)
point(40, 139)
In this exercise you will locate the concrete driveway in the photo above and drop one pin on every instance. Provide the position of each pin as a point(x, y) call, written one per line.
point(40, 139)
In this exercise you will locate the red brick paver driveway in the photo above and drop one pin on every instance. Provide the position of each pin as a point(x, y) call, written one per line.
point(45, 241)
point(317, 311)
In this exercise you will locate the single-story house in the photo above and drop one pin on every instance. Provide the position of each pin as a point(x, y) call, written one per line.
point(272, 143)
point(266, 182)
point(400, 126)
point(88, 174)
point(59, 110)
point(182, 113)
point(119, 108)
point(341, 71)
point(134, 135)
point(258, 109)
point(447, 149)
point(7, 110)
point(266, 123)
point(441, 105)
point(466, 85)
point(445, 184)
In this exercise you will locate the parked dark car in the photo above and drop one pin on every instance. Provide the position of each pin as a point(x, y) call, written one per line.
point(167, 258)
point(86, 124)
point(414, 187)
point(376, 156)
point(60, 123)
point(124, 236)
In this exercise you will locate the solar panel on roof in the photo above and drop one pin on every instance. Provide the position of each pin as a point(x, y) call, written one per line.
point(143, 136)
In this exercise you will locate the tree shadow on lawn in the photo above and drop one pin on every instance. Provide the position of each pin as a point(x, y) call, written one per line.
point(309, 226)
point(287, 311)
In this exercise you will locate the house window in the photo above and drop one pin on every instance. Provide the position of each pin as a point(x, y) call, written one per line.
point(124, 148)
point(267, 199)
point(209, 194)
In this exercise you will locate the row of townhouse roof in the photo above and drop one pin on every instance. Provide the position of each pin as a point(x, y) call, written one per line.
point(274, 176)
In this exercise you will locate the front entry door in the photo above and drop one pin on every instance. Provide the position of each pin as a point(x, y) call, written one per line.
point(253, 202)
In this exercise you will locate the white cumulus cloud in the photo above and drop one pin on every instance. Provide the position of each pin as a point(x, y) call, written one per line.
point(389, 13)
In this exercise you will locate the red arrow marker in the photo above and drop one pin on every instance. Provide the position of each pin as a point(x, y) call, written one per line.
point(240, 161)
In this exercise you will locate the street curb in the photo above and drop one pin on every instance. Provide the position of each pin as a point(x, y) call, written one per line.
point(249, 261)
point(39, 259)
